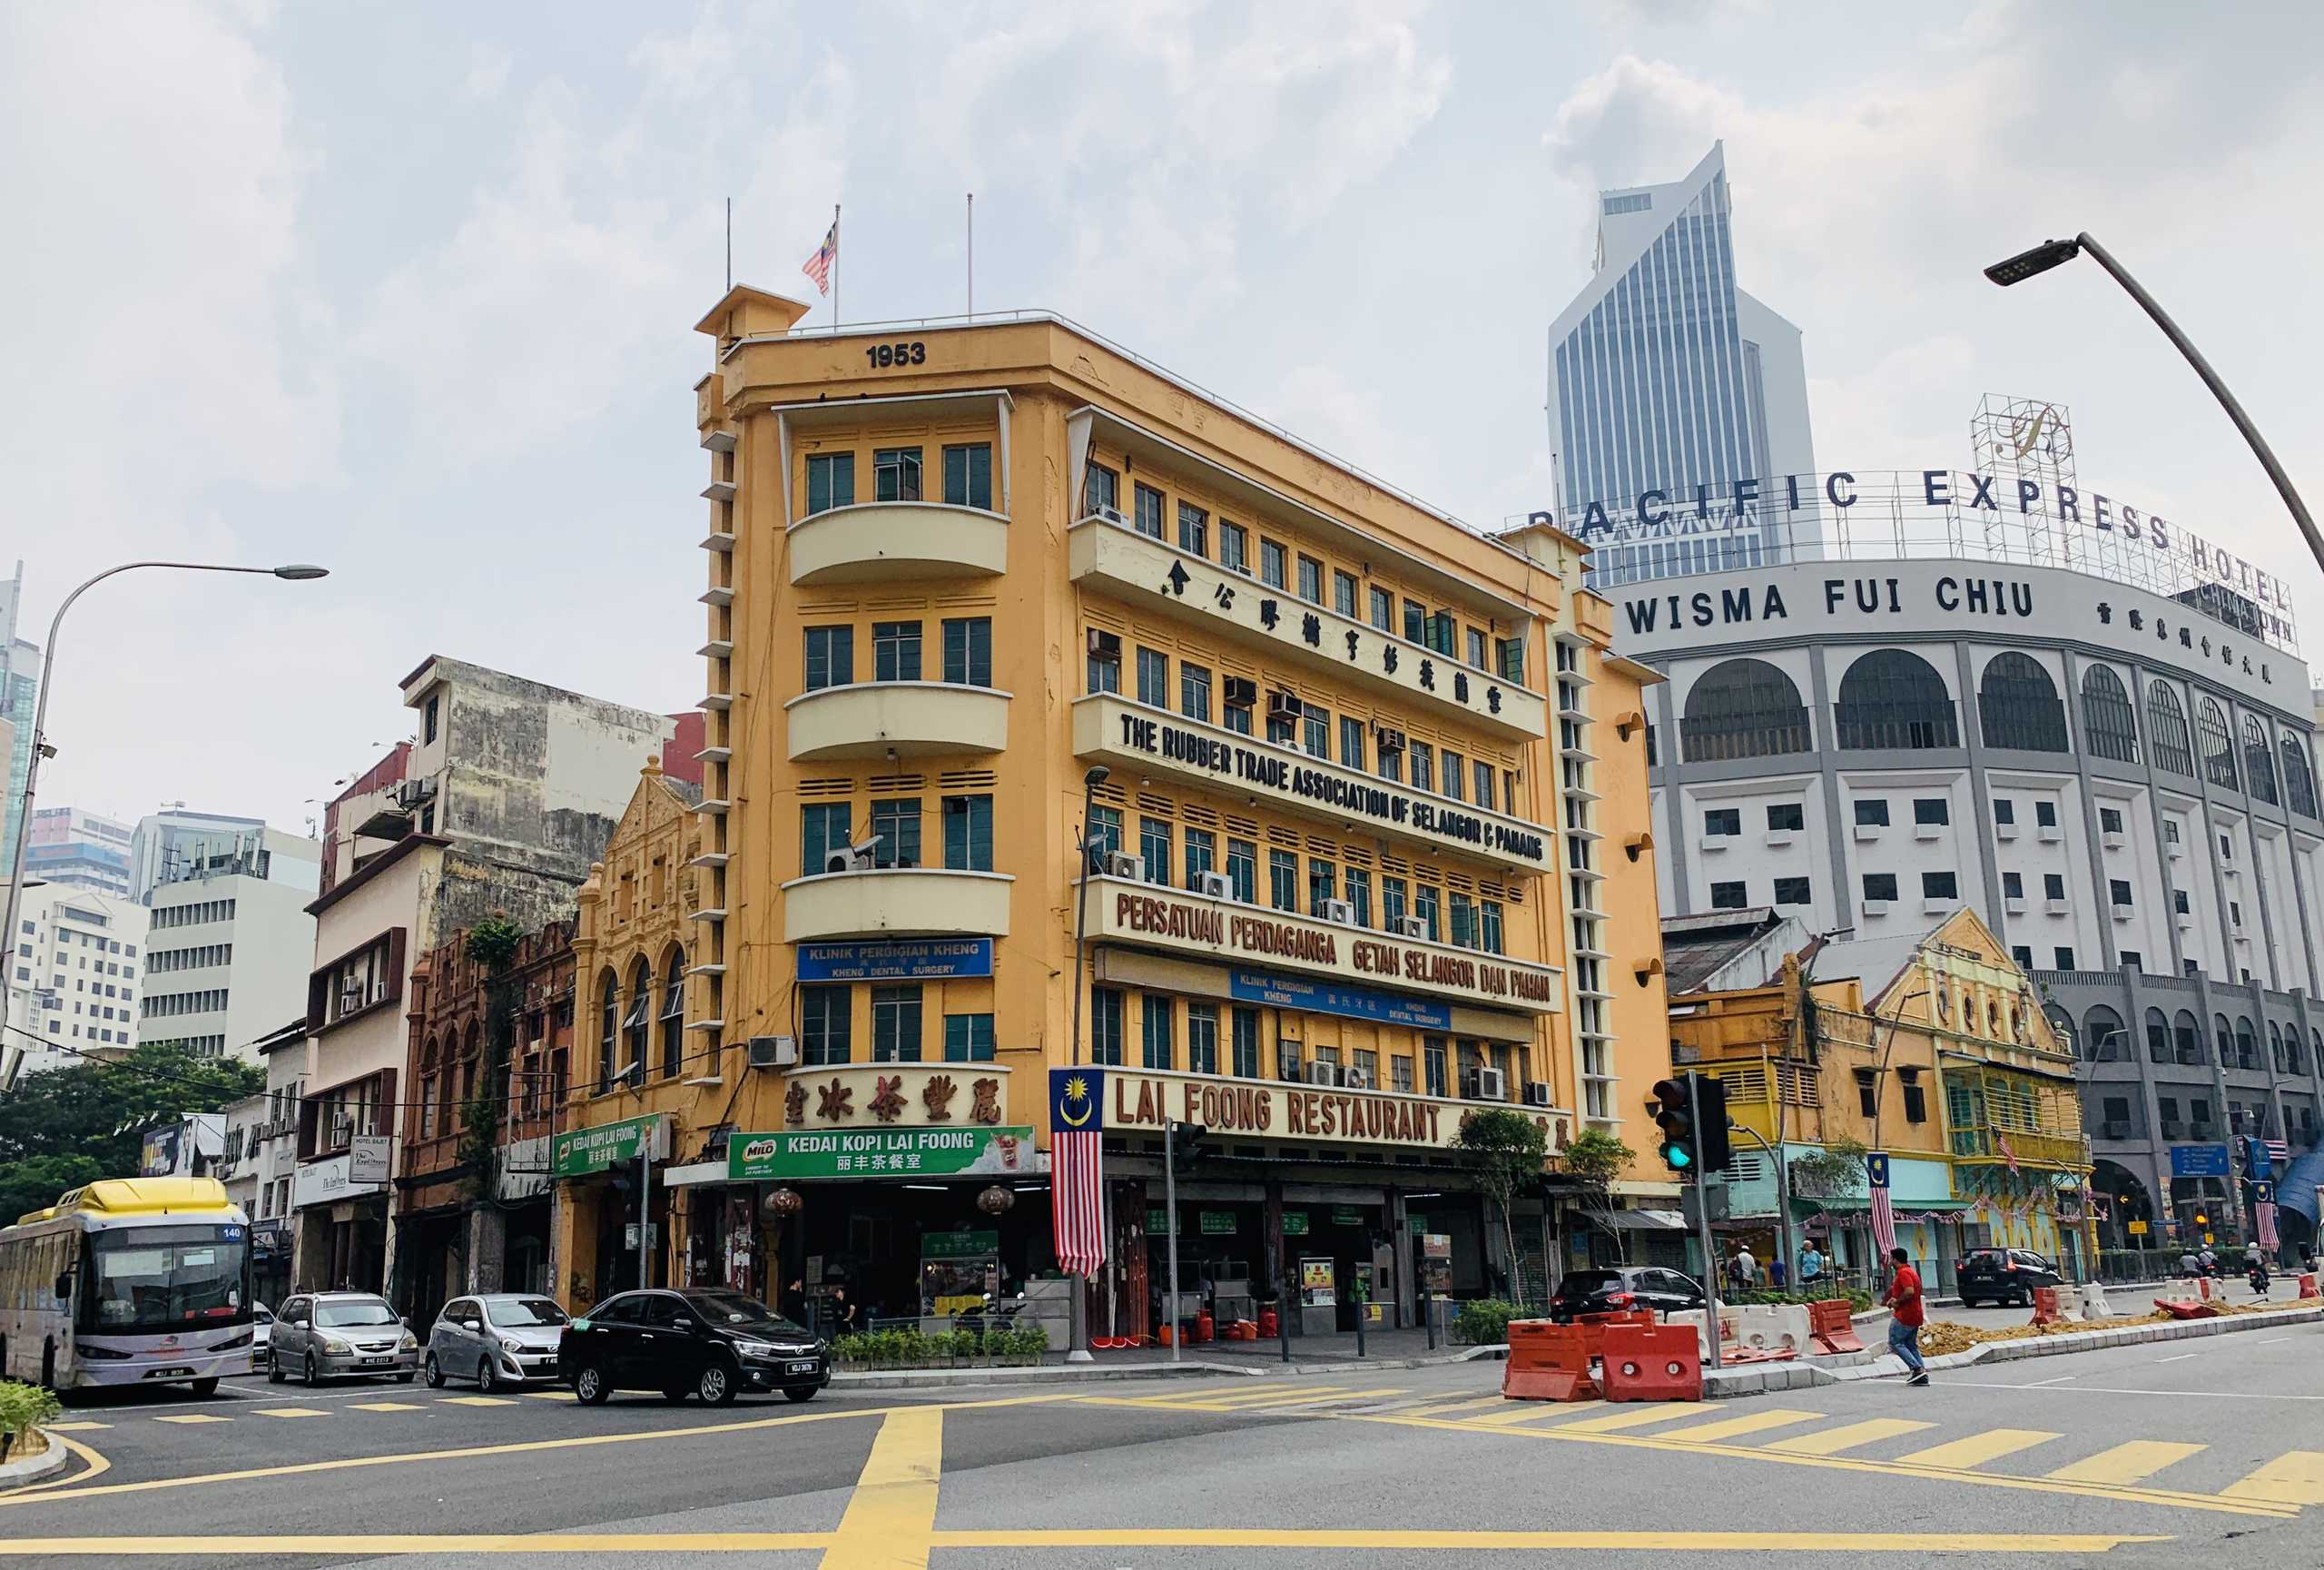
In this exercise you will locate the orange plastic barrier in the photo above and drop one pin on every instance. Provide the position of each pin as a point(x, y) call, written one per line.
point(2308, 1286)
point(1652, 1362)
point(2045, 1306)
point(1831, 1329)
point(1547, 1362)
point(2179, 1308)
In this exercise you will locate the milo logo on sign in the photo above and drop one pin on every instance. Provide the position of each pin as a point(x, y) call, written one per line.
point(761, 1150)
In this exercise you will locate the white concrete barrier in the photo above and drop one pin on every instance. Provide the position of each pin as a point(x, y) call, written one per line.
point(1770, 1326)
point(2093, 1301)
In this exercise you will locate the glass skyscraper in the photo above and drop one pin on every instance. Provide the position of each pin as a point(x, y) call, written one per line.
point(19, 695)
point(1671, 389)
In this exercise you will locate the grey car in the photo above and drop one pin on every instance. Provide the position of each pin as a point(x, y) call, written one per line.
point(496, 1338)
point(321, 1336)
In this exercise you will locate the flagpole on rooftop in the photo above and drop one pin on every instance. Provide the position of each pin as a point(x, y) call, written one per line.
point(834, 264)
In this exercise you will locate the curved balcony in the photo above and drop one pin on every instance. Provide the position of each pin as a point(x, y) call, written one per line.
point(896, 901)
point(909, 719)
point(883, 540)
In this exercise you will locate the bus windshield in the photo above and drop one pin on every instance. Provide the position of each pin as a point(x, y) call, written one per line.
point(162, 1279)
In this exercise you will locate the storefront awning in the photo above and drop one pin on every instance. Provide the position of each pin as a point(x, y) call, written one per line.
point(1647, 1220)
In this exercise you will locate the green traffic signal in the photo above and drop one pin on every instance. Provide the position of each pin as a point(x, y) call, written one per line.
point(1673, 1114)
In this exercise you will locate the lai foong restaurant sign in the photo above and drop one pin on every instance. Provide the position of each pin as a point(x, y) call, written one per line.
point(1151, 916)
point(609, 1145)
point(1280, 1110)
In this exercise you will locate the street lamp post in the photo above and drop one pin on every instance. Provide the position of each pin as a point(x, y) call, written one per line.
point(1085, 842)
point(2052, 253)
point(295, 571)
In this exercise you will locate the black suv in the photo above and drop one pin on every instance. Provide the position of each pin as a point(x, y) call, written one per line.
point(2002, 1275)
point(1614, 1291)
point(710, 1344)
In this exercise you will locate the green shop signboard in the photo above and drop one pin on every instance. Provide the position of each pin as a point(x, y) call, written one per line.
point(1218, 1223)
point(1294, 1223)
point(605, 1147)
point(959, 1245)
point(1346, 1215)
point(881, 1153)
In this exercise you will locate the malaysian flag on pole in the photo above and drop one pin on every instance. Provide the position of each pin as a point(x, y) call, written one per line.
point(1883, 1216)
point(819, 265)
point(2264, 1222)
point(1077, 1168)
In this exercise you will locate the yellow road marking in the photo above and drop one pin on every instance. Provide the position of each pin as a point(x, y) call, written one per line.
point(388, 1407)
point(2257, 1506)
point(1439, 1409)
point(512, 1447)
point(1736, 1428)
point(97, 1466)
point(1241, 1398)
point(1531, 1411)
point(1128, 1537)
point(1961, 1455)
point(193, 1417)
point(1630, 1417)
point(75, 1427)
point(1202, 1393)
point(1319, 1398)
point(1849, 1435)
point(892, 1516)
point(292, 1412)
point(473, 1401)
point(2294, 1477)
point(2131, 1463)
point(551, 1394)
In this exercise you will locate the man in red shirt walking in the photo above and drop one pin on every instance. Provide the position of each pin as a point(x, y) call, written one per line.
point(1905, 1316)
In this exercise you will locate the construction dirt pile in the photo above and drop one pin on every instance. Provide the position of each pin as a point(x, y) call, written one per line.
point(1940, 1337)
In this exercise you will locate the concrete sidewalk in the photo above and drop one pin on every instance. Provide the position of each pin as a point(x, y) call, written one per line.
point(1245, 1359)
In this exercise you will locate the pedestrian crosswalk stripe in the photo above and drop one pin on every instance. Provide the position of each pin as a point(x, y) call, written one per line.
point(1735, 1427)
point(1529, 1412)
point(1205, 1393)
point(1960, 1455)
point(193, 1417)
point(1848, 1437)
point(2294, 1477)
point(292, 1412)
point(1240, 1399)
point(388, 1407)
point(1438, 1408)
point(1328, 1398)
point(475, 1401)
point(2130, 1463)
point(1633, 1417)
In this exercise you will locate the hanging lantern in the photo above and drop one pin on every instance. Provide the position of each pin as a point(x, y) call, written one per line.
point(995, 1199)
point(784, 1202)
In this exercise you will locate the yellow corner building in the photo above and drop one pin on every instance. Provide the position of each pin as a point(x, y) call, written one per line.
point(1366, 802)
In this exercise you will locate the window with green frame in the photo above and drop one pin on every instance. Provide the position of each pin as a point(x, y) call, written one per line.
point(967, 1038)
point(1159, 1029)
point(968, 834)
point(831, 481)
point(895, 1024)
point(1108, 1007)
point(968, 475)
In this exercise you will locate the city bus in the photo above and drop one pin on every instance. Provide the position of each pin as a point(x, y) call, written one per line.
point(128, 1281)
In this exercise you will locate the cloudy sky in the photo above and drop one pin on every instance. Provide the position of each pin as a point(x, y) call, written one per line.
point(407, 290)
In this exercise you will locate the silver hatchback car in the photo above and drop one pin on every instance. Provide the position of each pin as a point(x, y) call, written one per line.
point(496, 1338)
point(323, 1336)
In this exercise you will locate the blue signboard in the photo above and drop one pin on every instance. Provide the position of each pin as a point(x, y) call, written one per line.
point(2199, 1160)
point(910, 960)
point(1352, 1003)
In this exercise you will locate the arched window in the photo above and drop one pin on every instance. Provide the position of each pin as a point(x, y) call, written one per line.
point(2219, 751)
point(674, 1014)
point(1892, 698)
point(430, 1065)
point(2108, 724)
point(2187, 1037)
point(2276, 1047)
point(2166, 731)
point(2102, 1037)
point(2226, 1039)
point(638, 1023)
point(2246, 1044)
point(2295, 1055)
point(608, 1030)
point(471, 1055)
point(1742, 708)
point(2018, 707)
point(2300, 779)
point(2258, 759)
point(2158, 1037)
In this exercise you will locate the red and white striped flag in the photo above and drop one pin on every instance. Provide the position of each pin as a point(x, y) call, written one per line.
point(2008, 1152)
point(2264, 1222)
point(1884, 1215)
point(1077, 1168)
point(819, 265)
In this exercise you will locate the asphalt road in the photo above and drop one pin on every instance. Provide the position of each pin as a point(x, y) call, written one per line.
point(2186, 1451)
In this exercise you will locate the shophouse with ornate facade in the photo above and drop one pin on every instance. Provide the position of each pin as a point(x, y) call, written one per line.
point(1366, 788)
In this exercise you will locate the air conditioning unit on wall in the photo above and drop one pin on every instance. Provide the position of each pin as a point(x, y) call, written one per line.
point(774, 1051)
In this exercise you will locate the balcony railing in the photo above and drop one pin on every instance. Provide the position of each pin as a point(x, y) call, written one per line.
point(2034, 1149)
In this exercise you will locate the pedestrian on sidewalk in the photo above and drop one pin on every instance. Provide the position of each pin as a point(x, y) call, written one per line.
point(1811, 1264)
point(1905, 1315)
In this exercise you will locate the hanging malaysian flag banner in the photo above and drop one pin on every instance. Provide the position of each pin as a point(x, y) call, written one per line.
point(2008, 1152)
point(1077, 1168)
point(1883, 1216)
point(819, 265)
point(2264, 1222)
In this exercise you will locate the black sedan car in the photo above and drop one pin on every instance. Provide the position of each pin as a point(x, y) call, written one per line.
point(2002, 1275)
point(1630, 1288)
point(712, 1344)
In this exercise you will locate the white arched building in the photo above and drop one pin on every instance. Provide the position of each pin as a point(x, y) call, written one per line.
point(2119, 782)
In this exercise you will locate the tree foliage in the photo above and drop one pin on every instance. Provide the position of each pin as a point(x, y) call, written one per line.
point(66, 1127)
point(1836, 1170)
point(1590, 1163)
point(1506, 1150)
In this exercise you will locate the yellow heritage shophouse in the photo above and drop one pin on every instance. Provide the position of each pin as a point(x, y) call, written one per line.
point(1372, 827)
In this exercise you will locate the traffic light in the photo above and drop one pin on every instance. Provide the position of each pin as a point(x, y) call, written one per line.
point(1710, 1123)
point(1673, 1114)
point(1186, 1141)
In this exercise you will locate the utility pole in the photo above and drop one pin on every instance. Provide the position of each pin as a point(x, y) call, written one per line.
point(1170, 1199)
point(1702, 1231)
